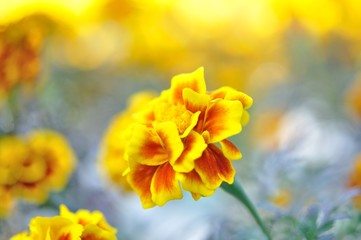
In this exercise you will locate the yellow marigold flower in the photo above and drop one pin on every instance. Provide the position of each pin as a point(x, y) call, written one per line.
point(180, 141)
point(112, 154)
point(20, 46)
point(47, 168)
point(82, 225)
point(32, 166)
point(92, 222)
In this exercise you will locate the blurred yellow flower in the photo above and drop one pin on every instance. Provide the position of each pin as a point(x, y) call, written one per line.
point(83, 225)
point(179, 136)
point(32, 167)
point(20, 46)
point(281, 198)
point(112, 153)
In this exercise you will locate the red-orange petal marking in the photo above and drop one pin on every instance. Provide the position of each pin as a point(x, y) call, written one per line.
point(145, 147)
point(194, 147)
point(194, 81)
point(196, 102)
point(223, 119)
point(140, 178)
point(193, 183)
point(230, 151)
point(164, 185)
point(213, 167)
point(171, 142)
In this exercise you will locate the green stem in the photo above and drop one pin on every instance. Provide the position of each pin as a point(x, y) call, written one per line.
point(237, 191)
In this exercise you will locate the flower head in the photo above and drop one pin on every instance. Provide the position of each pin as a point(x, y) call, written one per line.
point(82, 225)
point(179, 140)
point(33, 166)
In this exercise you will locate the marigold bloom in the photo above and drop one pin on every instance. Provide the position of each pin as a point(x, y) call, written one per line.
point(181, 136)
point(33, 166)
point(20, 46)
point(82, 225)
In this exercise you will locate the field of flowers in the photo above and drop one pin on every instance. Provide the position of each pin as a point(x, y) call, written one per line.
point(162, 119)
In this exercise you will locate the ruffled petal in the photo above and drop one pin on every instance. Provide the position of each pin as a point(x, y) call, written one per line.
point(193, 183)
point(145, 147)
point(228, 93)
point(245, 118)
point(94, 232)
point(194, 147)
point(164, 185)
point(213, 167)
point(171, 141)
point(223, 119)
point(230, 151)
point(140, 178)
point(196, 102)
point(194, 81)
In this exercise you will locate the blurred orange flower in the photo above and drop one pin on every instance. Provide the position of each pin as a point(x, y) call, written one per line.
point(20, 46)
point(32, 167)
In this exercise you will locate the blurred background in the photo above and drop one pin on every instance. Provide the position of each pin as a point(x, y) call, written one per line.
point(71, 65)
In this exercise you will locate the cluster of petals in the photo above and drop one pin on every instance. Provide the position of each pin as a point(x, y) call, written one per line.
point(33, 165)
point(82, 225)
point(179, 141)
point(20, 46)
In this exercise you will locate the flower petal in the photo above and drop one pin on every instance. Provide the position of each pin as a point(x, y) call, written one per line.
point(223, 119)
point(213, 167)
point(196, 102)
point(145, 147)
point(171, 141)
point(193, 183)
point(140, 178)
point(245, 118)
point(228, 93)
point(194, 147)
point(230, 151)
point(194, 81)
point(164, 185)
point(94, 232)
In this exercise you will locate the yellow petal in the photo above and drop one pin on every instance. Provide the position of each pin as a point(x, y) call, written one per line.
point(93, 232)
point(194, 147)
point(228, 93)
point(145, 147)
point(245, 118)
point(140, 178)
point(213, 167)
point(165, 186)
point(193, 183)
point(194, 81)
point(34, 171)
point(223, 119)
point(230, 151)
point(170, 140)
